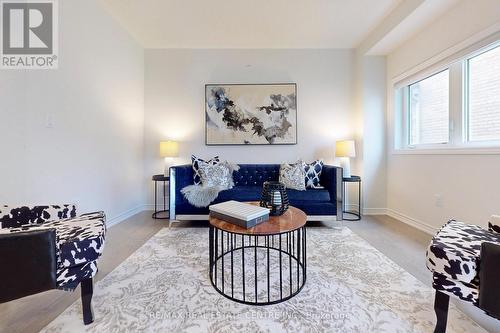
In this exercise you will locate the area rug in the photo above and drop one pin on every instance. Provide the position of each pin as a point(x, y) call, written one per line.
point(351, 287)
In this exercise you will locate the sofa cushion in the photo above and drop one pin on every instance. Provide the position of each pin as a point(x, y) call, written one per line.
point(455, 250)
point(312, 201)
point(253, 193)
point(241, 193)
point(310, 195)
point(312, 208)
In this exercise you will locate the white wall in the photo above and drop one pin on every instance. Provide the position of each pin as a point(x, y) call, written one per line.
point(469, 184)
point(174, 95)
point(371, 126)
point(93, 154)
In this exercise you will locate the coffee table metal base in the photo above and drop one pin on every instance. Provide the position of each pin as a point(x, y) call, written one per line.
point(241, 270)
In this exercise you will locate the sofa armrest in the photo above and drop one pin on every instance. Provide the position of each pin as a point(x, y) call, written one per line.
point(331, 179)
point(180, 177)
point(79, 240)
point(11, 217)
point(29, 263)
point(489, 275)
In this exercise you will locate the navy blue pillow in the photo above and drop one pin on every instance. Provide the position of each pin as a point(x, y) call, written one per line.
point(313, 173)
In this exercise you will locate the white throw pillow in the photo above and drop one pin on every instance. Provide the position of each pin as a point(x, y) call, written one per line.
point(293, 175)
point(216, 175)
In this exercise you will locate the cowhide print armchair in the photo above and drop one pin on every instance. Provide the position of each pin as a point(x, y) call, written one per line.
point(465, 263)
point(49, 247)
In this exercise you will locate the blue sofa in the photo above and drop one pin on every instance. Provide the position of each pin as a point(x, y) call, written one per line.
point(319, 204)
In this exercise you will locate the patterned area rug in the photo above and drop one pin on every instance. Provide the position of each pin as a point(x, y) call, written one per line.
point(351, 287)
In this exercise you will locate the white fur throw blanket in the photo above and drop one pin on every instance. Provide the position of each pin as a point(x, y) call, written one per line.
point(201, 196)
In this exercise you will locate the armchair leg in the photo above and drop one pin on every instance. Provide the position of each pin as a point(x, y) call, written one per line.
point(87, 291)
point(441, 304)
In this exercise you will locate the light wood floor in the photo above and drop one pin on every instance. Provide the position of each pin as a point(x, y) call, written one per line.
point(403, 244)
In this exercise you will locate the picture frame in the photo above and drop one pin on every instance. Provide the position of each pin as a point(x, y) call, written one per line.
point(251, 114)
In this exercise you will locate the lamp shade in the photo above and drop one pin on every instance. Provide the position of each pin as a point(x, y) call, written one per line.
point(345, 148)
point(169, 149)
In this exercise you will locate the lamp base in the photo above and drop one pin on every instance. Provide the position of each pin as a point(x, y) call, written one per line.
point(345, 164)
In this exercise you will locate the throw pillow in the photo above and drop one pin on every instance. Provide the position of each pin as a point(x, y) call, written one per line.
point(196, 162)
point(293, 175)
point(216, 175)
point(313, 174)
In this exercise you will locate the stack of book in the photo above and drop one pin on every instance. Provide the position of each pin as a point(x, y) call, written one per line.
point(239, 213)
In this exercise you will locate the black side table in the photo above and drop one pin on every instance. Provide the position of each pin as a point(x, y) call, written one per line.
point(164, 179)
point(357, 214)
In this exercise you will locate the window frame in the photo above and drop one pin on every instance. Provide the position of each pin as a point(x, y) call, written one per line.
point(458, 143)
point(407, 112)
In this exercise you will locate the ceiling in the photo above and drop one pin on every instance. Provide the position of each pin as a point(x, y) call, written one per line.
point(249, 23)
point(425, 13)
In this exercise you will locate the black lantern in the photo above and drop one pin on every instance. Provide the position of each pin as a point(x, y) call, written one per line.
point(274, 197)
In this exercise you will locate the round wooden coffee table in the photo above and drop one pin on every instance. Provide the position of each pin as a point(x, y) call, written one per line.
point(262, 265)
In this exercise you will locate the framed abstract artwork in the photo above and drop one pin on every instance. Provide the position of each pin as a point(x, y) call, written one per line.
point(251, 114)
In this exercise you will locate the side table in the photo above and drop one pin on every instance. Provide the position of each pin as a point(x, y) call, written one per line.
point(356, 214)
point(164, 179)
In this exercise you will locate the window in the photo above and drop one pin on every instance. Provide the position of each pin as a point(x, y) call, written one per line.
point(454, 104)
point(484, 96)
point(429, 110)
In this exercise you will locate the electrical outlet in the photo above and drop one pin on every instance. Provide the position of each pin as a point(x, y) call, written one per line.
point(438, 200)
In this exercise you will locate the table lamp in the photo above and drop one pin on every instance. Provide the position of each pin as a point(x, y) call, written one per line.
point(345, 150)
point(169, 150)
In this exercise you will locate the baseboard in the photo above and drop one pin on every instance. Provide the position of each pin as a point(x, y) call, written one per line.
point(125, 215)
point(402, 218)
point(411, 221)
point(159, 205)
point(374, 211)
point(150, 207)
point(367, 211)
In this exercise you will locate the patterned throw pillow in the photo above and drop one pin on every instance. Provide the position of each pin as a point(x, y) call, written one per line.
point(293, 175)
point(313, 174)
point(216, 175)
point(196, 162)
